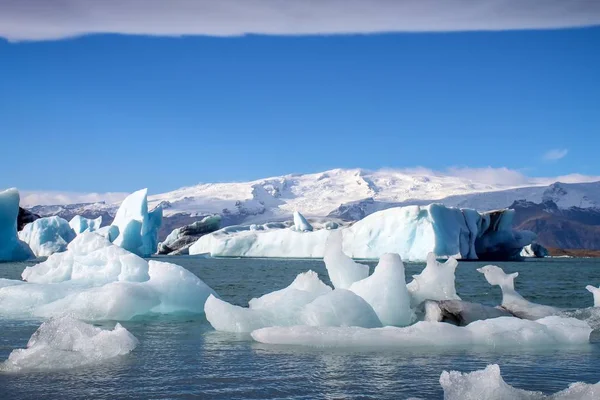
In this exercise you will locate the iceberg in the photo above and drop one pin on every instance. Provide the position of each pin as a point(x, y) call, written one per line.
point(64, 343)
point(301, 224)
point(385, 290)
point(46, 236)
point(180, 239)
point(138, 228)
point(80, 224)
point(343, 271)
point(341, 307)
point(506, 332)
point(96, 280)
point(513, 301)
point(411, 231)
point(11, 248)
point(435, 282)
point(596, 292)
point(488, 384)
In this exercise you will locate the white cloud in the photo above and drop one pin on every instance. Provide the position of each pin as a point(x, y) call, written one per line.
point(56, 19)
point(33, 198)
point(555, 154)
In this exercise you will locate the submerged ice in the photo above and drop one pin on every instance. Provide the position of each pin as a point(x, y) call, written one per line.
point(63, 343)
point(11, 247)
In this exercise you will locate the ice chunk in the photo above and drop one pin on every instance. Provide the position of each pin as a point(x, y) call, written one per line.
point(46, 236)
point(596, 292)
point(488, 384)
point(138, 229)
point(534, 250)
point(386, 291)
point(412, 232)
point(180, 239)
point(340, 308)
point(300, 223)
point(80, 224)
point(493, 333)
point(11, 248)
point(64, 343)
point(96, 280)
point(343, 271)
point(513, 301)
point(281, 307)
point(435, 282)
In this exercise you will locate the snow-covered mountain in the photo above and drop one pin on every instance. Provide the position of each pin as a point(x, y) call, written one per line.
point(342, 193)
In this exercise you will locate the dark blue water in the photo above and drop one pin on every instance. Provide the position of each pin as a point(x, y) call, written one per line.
point(185, 358)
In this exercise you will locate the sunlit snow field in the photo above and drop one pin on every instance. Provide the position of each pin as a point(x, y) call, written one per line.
point(181, 357)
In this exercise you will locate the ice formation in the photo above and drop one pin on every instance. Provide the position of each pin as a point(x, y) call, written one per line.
point(412, 232)
point(488, 384)
point(340, 307)
point(64, 343)
point(513, 301)
point(301, 224)
point(46, 236)
point(11, 248)
point(385, 290)
point(96, 280)
point(180, 239)
point(461, 313)
point(80, 224)
point(138, 228)
point(596, 292)
point(343, 271)
point(534, 250)
point(497, 332)
point(435, 282)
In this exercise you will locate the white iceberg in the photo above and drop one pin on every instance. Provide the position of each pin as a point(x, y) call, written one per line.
point(596, 292)
point(385, 290)
point(493, 333)
point(11, 248)
point(306, 285)
point(96, 280)
point(46, 236)
point(138, 228)
point(64, 343)
point(301, 224)
point(435, 282)
point(412, 232)
point(80, 224)
point(513, 301)
point(340, 308)
point(488, 384)
point(343, 271)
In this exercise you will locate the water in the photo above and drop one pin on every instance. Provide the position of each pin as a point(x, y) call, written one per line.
point(185, 358)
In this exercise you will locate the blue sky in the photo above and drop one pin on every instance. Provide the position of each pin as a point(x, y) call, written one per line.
point(116, 112)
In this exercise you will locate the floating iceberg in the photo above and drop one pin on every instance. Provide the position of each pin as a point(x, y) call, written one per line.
point(493, 333)
point(180, 239)
point(11, 248)
point(343, 271)
point(385, 290)
point(461, 313)
point(301, 224)
point(513, 301)
point(435, 282)
point(46, 236)
point(80, 224)
point(64, 343)
point(596, 292)
point(412, 232)
point(138, 228)
point(96, 280)
point(534, 250)
point(488, 384)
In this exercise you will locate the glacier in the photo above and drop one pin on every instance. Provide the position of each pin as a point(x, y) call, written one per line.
point(411, 231)
point(138, 228)
point(63, 343)
point(488, 384)
point(48, 235)
point(96, 280)
point(11, 247)
point(81, 224)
